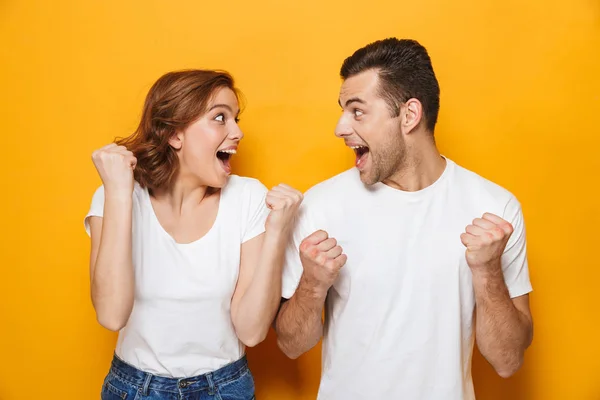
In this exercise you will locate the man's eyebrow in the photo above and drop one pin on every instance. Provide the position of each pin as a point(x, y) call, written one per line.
point(352, 100)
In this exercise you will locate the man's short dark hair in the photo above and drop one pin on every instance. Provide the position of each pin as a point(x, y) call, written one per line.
point(405, 72)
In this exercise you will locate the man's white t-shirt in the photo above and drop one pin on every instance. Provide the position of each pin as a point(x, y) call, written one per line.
point(180, 325)
point(399, 319)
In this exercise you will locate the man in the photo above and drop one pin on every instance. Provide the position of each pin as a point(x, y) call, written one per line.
point(427, 255)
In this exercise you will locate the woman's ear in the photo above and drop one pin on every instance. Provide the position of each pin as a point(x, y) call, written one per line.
point(176, 141)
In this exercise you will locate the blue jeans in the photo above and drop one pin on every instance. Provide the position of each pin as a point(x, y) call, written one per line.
point(125, 382)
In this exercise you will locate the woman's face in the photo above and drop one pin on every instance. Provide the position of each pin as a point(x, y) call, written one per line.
point(206, 146)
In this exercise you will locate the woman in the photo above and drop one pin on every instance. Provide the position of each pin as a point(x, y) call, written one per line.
point(186, 259)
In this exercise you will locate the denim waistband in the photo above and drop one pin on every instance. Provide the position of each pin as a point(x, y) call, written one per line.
point(130, 374)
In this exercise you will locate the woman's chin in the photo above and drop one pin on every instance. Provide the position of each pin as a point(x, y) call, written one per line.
point(220, 180)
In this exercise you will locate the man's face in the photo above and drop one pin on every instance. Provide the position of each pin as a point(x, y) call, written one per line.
point(369, 128)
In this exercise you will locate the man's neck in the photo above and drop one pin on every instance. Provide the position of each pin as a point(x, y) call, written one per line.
point(422, 166)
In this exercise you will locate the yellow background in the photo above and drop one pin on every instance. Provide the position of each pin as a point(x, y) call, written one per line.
point(520, 105)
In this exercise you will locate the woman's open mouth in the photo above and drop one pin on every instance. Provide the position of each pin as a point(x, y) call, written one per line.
point(224, 157)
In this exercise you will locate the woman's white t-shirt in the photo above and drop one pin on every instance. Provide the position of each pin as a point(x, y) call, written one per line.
point(180, 325)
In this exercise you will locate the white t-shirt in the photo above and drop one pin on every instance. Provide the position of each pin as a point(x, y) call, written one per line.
point(399, 318)
point(180, 325)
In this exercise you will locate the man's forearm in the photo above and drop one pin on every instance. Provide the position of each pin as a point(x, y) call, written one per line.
point(299, 324)
point(502, 331)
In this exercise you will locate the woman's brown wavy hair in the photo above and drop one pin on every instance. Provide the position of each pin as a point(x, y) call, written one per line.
point(175, 101)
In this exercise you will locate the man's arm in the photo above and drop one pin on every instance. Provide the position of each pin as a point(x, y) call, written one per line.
point(299, 324)
point(504, 327)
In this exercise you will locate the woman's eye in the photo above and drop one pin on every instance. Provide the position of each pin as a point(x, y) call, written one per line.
point(220, 118)
point(357, 113)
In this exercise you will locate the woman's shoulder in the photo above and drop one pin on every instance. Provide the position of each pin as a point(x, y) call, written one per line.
point(248, 185)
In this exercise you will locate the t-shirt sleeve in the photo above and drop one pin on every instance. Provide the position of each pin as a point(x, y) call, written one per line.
point(254, 210)
point(292, 267)
point(96, 208)
point(514, 260)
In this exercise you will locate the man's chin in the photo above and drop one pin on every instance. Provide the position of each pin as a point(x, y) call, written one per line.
point(367, 179)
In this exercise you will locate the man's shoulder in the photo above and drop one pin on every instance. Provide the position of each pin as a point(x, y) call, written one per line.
point(481, 189)
point(337, 186)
